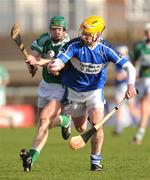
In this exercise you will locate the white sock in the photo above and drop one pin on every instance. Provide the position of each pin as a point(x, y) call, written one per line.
point(95, 159)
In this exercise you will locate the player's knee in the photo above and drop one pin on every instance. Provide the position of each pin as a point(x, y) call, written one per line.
point(47, 117)
point(45, 114)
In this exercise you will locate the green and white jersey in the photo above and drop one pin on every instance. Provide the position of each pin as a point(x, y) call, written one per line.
point(141, 52)
point(38, 44)
point(48, 49)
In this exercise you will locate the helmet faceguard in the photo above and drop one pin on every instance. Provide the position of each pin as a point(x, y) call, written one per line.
point(58, 22)
point(93, 27)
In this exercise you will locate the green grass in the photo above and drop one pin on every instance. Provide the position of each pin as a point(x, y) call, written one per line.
point(121, 159)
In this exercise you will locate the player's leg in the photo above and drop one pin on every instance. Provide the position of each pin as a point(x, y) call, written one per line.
point(53, 110)
point(121, 117)
point(145, 113)
point(95, 115)
point(38, 142)
point(145, 109)
point(47, 116)
point(29, 157)
point(39, 110)
point(41, 103)
point(47, 120)
point(95, 107)
point(80, 123)
point(53, 97)
point(93, 102)
point(118, 120)
point(79, 115)
point(134, 109)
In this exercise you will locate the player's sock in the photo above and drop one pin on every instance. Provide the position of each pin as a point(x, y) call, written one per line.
point(34, 154)
point(95, 159)
point(65, 120)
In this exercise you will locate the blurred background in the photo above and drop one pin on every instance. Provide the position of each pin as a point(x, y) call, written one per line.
point(125, 20)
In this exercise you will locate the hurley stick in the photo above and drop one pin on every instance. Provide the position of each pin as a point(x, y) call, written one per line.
point(15, 34)
point(77, 142)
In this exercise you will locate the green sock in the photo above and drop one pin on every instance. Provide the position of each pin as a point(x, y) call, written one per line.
point(34, 154)
point(65, 120)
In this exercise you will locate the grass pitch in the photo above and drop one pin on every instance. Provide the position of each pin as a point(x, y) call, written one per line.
point(121, 159)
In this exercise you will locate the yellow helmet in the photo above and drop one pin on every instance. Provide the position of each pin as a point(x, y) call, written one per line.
point(92, 25)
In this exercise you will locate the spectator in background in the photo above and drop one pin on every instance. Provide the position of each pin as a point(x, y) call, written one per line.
point(141, 58)
point(4, 81)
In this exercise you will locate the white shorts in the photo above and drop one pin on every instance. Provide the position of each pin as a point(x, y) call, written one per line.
point(48, 92)
point(79, 103)
point(143, 86)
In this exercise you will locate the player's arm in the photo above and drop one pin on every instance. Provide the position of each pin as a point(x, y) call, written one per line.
point(55, 66)
point(37, 49)
point(67, 52)
point(37, 61)
point(35, 68)
point(122, 61)
point(131, 90)
point(135, 55)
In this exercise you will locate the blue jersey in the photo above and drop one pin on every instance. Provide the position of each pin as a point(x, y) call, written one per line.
point(86, 66)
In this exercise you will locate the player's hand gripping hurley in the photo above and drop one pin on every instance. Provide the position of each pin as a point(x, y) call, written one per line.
point(15, 34)
point(77, 142)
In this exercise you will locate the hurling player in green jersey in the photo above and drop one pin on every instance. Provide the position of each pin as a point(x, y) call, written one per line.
point(50, 92)
point(141, 56)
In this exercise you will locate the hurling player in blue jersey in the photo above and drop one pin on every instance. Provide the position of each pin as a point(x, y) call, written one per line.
point(86, 58)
